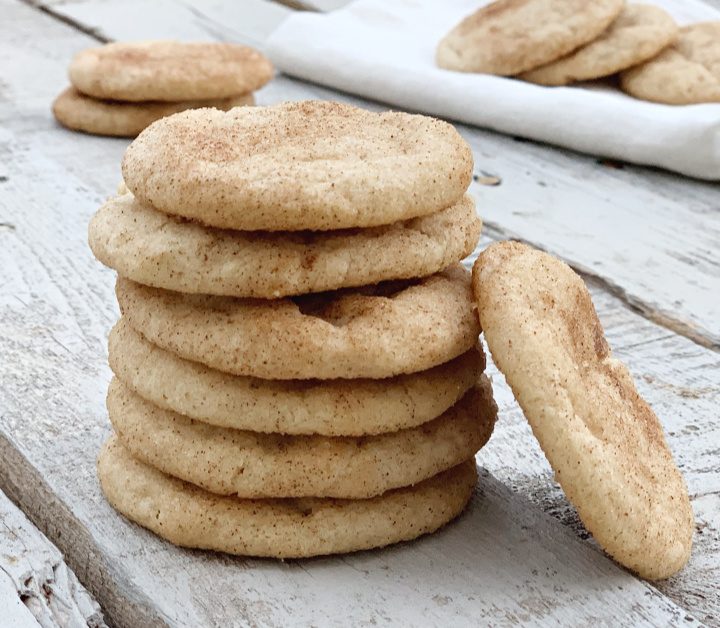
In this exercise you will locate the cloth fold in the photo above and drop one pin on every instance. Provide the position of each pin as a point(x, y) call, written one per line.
point(385, 51)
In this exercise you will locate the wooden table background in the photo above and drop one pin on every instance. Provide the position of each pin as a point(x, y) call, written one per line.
point(646, 240)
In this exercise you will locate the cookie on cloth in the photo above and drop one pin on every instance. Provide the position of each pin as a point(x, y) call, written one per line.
point(340, 407)
point(603, 441)
point(508, 37)
point(254, 465)
point(168, 71)
point(639, 33)
point(281, 528)
point(686, 73)
point(78, 112)
point(158, 250)
point(313, 165)
point(375, 331)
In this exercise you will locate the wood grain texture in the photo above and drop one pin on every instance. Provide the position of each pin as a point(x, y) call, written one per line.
point(37, 588)
point(505, 561)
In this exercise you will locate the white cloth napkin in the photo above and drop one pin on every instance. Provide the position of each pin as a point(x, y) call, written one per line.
point(385, 51)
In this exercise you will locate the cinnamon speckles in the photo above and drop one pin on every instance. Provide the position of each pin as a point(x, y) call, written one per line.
point(306, 165)
point(282, 528)
point(497, 39)
point(422, 326)
point(158, 250)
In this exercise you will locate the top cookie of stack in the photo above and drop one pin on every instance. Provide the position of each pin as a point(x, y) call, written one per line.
point(121, 88)
point(287, 200)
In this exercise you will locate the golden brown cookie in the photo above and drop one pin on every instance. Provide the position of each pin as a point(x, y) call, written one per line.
point(686, 73)
point(282, 528)
point(639, 33)
point(375, 331)
point(253, 465)
point(339, 407)
point(158, 250)
point(508, 37)
point(602, 439)
point(305, 165)
point(168, 71)
point(126, 119)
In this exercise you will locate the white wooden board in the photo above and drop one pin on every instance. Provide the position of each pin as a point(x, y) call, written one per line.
point(649, 236)
point(504, 561)
point(37, 588)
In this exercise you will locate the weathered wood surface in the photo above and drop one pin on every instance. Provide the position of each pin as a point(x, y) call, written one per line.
point(504, 561)
point(37, 588)
point(651, 237)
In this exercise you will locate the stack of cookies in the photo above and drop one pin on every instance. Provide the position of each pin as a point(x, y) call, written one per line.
point(296, 367)
point(121, 88)
point(576, 40)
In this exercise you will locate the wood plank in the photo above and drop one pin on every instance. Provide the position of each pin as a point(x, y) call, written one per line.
point(649, 236)
point(249, 21)
point(504, 560)
point(37, 588)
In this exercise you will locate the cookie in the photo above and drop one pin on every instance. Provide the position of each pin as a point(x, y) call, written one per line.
point(376, 331)
point(125, 119)
point(686, 73)
point(281, 528)
point(169, 71)
point(333, 407)
point(508, 37)
point(253, 465)
point(603, 441)
point(639, 33)
point(157, 250)
point(313, 165)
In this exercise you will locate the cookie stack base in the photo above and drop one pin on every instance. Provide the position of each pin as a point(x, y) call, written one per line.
point(282, 528)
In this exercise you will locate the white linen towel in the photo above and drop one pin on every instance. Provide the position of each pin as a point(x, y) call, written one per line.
point(385, 51)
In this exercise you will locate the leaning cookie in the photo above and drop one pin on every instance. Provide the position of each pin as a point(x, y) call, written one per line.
point(686, 73)
point(162, 251)
point(508, 37)
point(282, 528)
point(314, 165)
point(602, 439)
point(79, 112)
point(639, 33)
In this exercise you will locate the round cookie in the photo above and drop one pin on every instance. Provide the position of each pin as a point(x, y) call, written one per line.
point(639, 33)
point(686, 73)
point(314, 165)
point(78, 112)
point(508, 37)
point(357, 407)
point(157, 250)
point(168, 70)
point(377, 331)
point(253, 465)
point(602, 439)
point(281, 528)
